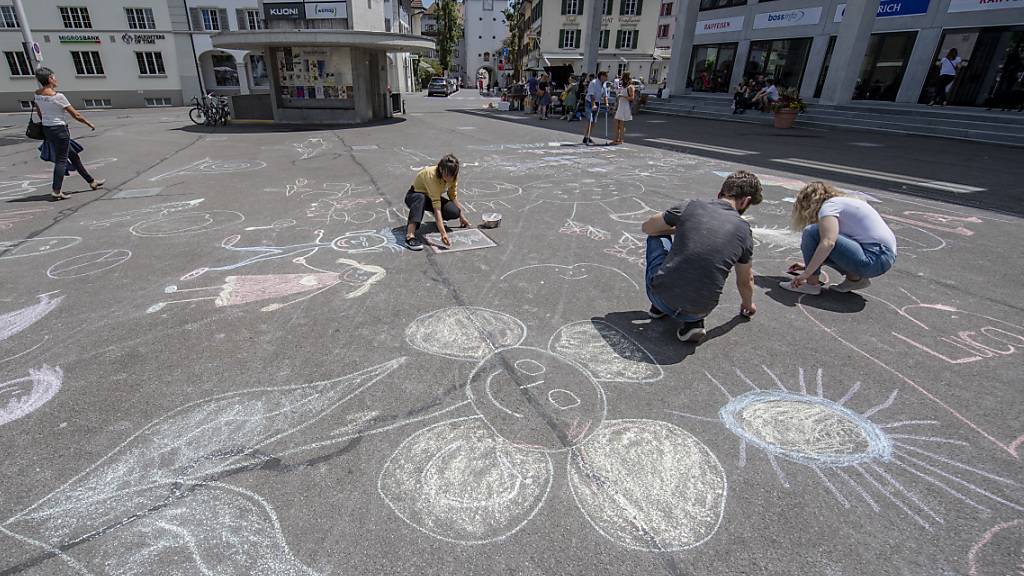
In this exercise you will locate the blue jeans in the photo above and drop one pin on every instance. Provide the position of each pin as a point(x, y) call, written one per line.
point(657, 250)
point(848, 256)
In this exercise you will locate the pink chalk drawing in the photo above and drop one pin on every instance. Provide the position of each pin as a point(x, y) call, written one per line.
point(9, 218)
point(1012, 531)
point(995, 339)
point(22, 396)
point(939, 222)
point(13, 322)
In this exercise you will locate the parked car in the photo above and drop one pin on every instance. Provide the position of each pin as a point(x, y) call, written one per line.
point(439, 87)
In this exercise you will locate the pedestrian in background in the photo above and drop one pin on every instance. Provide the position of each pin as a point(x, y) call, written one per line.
point(54, 109)
point(543, 97)
point(624, 108)
point(596, 94)
point(948, 68)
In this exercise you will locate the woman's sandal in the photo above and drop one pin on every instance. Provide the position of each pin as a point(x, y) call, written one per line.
point(97, 184)
point(58, 196)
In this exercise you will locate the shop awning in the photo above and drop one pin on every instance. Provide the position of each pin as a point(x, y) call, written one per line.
point(387, 41)
point(553, 59)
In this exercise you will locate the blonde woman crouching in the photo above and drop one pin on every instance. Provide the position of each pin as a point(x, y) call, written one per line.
point(845, 233)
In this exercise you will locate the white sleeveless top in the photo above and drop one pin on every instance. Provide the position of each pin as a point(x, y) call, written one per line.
point(52, 108)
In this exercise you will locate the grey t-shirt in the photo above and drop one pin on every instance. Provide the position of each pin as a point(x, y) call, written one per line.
point(710, 239)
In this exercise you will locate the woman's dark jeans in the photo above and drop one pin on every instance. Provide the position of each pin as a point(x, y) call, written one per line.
point(60, 138)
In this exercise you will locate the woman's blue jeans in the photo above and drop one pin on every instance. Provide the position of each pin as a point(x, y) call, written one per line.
point(849, 257)
point(657, 249)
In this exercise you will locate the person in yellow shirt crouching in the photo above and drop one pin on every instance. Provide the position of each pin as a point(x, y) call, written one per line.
point(428, 189)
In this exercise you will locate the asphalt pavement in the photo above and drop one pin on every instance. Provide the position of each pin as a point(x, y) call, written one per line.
point(226, 362)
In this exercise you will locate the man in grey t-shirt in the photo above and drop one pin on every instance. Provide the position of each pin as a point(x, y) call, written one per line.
point(691, 249)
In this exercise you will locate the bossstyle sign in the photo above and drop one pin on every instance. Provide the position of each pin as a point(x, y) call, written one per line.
point(290, 11)
point(141, 38)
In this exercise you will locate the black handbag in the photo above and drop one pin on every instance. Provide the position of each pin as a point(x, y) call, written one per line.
point(34, 130)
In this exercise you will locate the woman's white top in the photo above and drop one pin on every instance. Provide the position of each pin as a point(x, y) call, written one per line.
point(859, 221)
point(624, 111)
point(948, 67)
point(52, 108)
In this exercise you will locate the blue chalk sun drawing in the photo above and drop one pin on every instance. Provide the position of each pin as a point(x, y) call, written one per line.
point(849, 450)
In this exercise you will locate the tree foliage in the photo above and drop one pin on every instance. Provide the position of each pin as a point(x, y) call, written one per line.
point(449, 31)
point(516, 20)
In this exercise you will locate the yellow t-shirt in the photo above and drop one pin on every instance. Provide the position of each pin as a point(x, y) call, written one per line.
point(428, 182)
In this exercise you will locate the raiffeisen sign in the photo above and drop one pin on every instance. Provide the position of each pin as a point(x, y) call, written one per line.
point(719, 25)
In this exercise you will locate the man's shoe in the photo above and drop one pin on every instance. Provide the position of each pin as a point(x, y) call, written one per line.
point(805, 288)
point(655, 313)
point(848, 285)
point(691, 332)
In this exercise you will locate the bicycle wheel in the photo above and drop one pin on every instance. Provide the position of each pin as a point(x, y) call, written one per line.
point(197, 116)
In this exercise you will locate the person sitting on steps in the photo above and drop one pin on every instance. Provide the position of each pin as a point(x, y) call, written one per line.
point(431, 185)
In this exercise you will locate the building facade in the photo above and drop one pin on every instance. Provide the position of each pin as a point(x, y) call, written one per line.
point(557, 37)
point(104, 54)
point(227, 72)
point(830, 55)
point(663, 41)
point(485, 32)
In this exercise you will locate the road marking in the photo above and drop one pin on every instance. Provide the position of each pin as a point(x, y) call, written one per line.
point(708, 147)
point(466, 128)
point(867, 144)
point(898, 178)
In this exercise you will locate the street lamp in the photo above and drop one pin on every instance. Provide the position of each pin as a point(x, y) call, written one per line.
point(32, 51)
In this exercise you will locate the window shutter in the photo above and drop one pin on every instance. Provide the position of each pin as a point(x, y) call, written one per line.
point(243, 22)
point(636, 36)
point(196, 17)
point(618, 39)
point(639, 6)
point(223, 14)
point(565, 7)
point(579, 7)
point(561, 37)
point(622, 8)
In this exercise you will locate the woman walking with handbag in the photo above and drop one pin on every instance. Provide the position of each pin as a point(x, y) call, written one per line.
point(54, 109)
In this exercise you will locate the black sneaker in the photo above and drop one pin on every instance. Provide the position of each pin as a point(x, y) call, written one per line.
point(413, 244)
point(588, 141)
point(691, 332)
point(655, 313)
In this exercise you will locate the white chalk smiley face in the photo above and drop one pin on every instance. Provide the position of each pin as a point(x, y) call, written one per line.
point(536, 400)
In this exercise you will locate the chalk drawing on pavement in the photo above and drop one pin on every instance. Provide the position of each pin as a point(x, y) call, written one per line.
point(8, 218)
point(642, 484)
point(165, 494)
point(462, 240)
point(994, 553)
point(88, 263)
point(855, 454)
point(13, 322)
point(153, 212)
point(580, 271)
point(22, 396)
point(10, 249)
point(209, 166)
point(310, 147)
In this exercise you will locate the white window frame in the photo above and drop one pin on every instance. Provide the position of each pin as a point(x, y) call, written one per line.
point(96, 103)
point(161, 102)
point(87, 59)
point(571, 7)
point(629, 39)
point(211, 19)
point(75, 17)
point(151, 63)
point(142, 18)
point(254, 20)
point(572, 38)
point(629, 7)
point(8, 17)
point(24, 68)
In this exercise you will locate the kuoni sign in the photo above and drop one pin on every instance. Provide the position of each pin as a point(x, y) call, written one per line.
point(891, 8)
point(719, 25)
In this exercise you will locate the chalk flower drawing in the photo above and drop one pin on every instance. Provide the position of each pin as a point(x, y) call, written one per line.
point(22, 396)
point(643, 484)
point(13, 322)
point(159, 501)
point(827, 436)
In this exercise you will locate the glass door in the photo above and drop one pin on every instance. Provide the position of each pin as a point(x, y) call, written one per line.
point(881, 72)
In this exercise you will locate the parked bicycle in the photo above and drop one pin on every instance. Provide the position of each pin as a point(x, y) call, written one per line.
point(210, 110)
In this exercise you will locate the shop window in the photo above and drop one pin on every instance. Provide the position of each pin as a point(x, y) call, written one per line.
point(87, 63)
point(258, 69)
point(18, 64)
point(225, 70)
point(824, 67)
point(881, 72)
point(140, 18)
point(75, 17)
point(782, 60)
point(715, 4)
point(992, 69)
point(711, 67)
point(314, 77)
point(8, 18)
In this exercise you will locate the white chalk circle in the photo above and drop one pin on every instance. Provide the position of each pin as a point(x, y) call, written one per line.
point(805, 429)
point(88, 263)
point(35, 246)
point(22, 396)
point(187, 223)
point(549, 411)
point(459, 482)
point(464, 332)
point(648, 485)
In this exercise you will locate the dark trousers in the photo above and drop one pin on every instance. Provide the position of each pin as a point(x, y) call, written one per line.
point(941, 83)
point(418, 203)
point(60, 138)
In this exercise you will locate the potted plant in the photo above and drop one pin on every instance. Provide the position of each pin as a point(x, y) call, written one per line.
point(787, 107)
